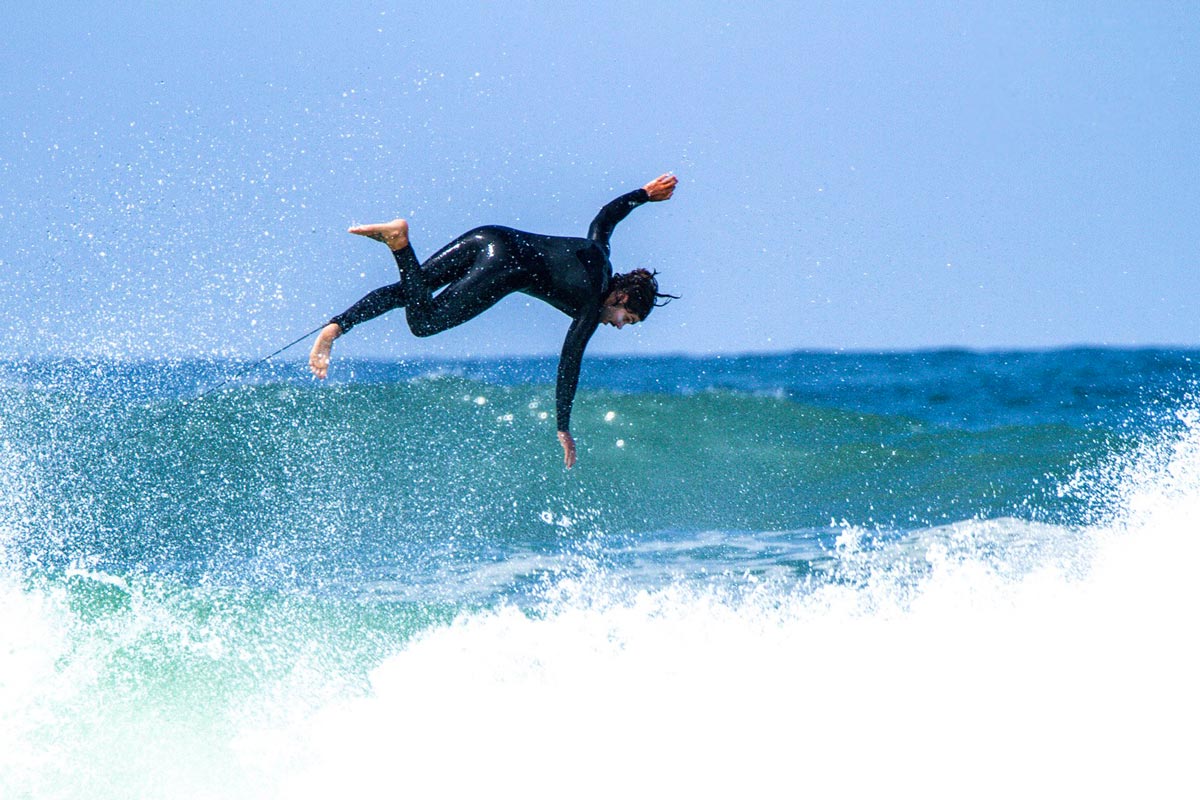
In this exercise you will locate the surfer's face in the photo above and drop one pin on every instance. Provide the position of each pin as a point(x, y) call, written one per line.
point(616, 314)
point(619, 317)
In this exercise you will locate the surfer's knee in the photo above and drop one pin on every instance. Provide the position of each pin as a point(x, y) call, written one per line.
point(421, 327)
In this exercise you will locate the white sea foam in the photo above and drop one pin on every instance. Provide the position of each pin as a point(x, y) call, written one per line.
point(1001, 667)
point(1068, 677)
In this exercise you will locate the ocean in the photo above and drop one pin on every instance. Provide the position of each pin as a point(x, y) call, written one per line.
point(937, 573)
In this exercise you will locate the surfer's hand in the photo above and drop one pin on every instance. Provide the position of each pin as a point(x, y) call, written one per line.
point(662, 187)
point(568, 444)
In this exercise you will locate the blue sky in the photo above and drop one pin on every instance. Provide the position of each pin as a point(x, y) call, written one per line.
point(178, 181)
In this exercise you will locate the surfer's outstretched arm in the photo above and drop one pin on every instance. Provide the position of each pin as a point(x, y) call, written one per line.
point(661, 188)
point(580, 332)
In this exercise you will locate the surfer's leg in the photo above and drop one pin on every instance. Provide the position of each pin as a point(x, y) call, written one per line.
point(476, 265)
point(378, 302)
point(481, 272)
point(318, 357)
point(448, 264)
point(394, 234)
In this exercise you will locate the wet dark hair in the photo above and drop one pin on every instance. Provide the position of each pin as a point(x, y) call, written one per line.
point(641, 290)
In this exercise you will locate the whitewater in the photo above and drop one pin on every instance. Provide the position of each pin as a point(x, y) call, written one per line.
point(939, 574)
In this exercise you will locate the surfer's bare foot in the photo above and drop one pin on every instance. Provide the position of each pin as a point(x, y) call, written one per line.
point(318, 357)
point(394, 234)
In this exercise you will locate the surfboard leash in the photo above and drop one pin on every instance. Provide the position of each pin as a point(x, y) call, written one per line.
point(247, 369)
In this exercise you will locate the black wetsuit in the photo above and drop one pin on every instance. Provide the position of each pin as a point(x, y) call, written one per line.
point(485, 264)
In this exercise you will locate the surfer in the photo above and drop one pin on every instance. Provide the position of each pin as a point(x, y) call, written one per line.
point(485, 264)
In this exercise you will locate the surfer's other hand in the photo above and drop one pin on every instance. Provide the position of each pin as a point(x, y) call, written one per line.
point(568, 445)
point(662, 187)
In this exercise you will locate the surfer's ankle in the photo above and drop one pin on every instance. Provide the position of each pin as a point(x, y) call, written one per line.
point(319, 356)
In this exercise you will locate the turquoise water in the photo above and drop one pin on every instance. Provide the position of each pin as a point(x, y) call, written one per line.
point(763, 571)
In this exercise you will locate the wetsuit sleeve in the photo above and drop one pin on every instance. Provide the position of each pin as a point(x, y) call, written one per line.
point(614, 212)
point(568, 366)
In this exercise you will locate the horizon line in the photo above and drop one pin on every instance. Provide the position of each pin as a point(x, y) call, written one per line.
point(733, 354)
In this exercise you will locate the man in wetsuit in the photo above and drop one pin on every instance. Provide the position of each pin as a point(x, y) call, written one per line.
point(483, 265)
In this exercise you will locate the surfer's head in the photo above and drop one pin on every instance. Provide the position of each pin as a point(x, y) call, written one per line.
point(636, 292)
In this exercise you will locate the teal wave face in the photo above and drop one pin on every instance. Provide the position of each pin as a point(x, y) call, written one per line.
point(275, 484)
